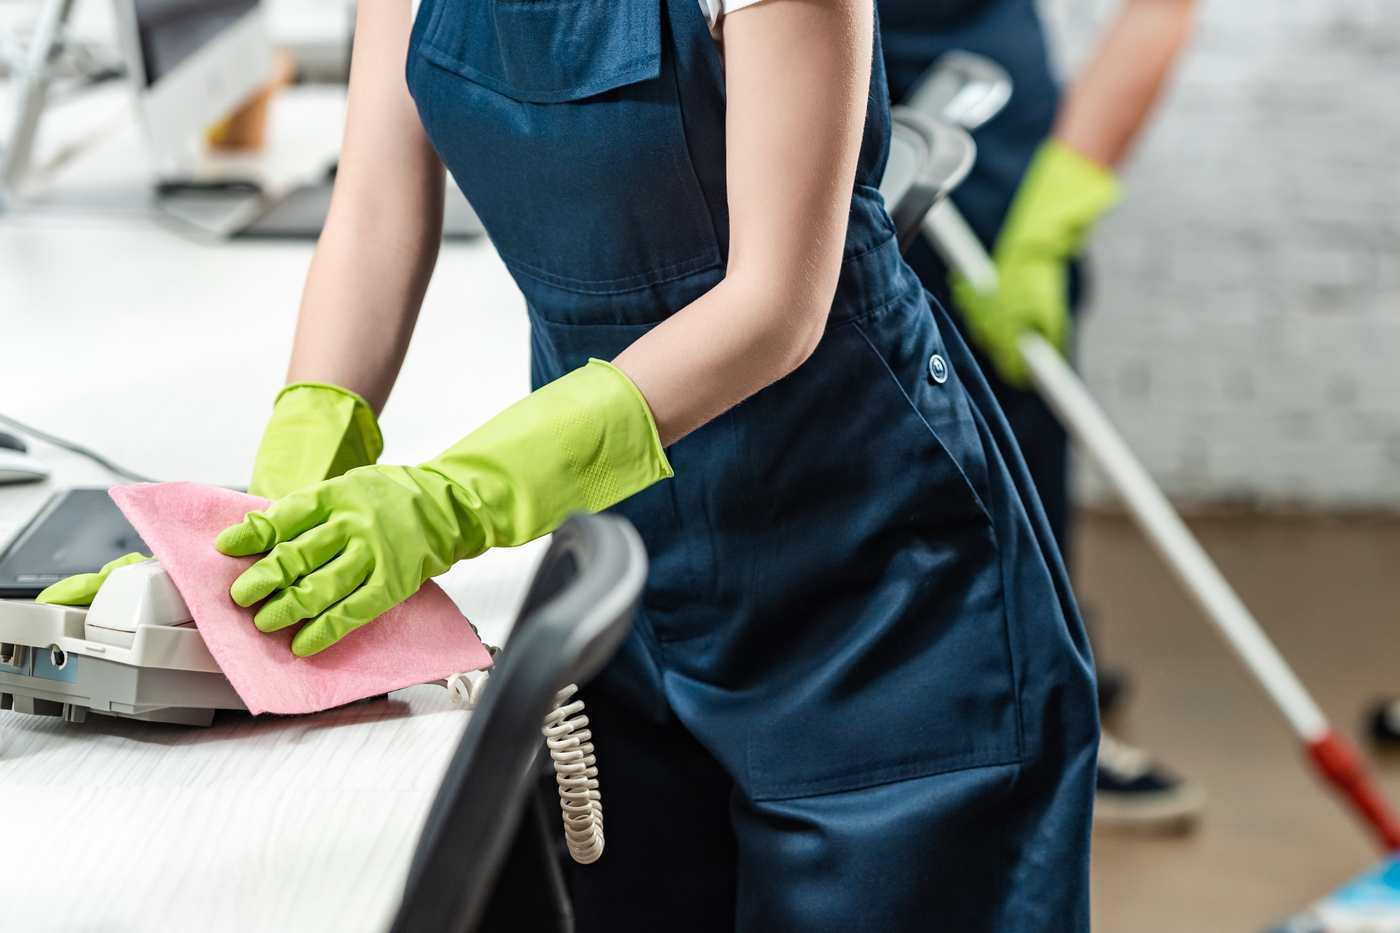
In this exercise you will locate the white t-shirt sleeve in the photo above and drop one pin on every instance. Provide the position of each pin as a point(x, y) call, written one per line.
point(714, 11)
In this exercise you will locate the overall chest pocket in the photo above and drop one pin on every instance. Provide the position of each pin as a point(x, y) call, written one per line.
point(561, 122)
point(547, 51)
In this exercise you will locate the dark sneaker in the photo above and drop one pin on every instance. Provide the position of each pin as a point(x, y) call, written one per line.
point(1385, 724)
point(1135, 792)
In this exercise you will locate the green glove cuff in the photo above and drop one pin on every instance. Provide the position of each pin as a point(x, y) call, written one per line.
point(1061, 197)
point(581, 443)
point(344, 551)
point(317, 431)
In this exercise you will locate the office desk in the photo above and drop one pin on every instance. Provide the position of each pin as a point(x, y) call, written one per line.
point(165, 354)
point(269, 824)
point(254, 824)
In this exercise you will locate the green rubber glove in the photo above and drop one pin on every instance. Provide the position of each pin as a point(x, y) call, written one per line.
point(80, 589)
point(316, 431)
point(344, 551)
point(1060, 198)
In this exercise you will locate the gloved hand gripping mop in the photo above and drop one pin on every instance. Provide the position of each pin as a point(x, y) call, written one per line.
point(1059, 200)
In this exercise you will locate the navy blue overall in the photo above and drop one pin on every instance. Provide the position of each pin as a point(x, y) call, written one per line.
point(1010, 32)
point(858, 695)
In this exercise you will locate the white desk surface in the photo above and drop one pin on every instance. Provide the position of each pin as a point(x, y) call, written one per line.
point(165, 354)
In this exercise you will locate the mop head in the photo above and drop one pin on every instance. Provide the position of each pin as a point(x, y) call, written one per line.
point(425, 639)
point(1368, 904)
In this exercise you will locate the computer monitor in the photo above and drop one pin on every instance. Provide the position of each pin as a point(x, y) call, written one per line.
point(191, 62)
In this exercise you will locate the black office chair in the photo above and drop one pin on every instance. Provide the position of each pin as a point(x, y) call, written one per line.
point(928, 159)
point(576, 614)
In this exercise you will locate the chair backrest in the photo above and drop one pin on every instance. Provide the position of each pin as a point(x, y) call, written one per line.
point(961, 88)
point(576, 614)
point(928, 159)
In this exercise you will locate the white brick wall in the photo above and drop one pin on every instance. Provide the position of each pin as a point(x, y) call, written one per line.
point(1245, 333)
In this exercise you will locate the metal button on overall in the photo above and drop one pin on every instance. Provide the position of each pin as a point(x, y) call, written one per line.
point(937, 369)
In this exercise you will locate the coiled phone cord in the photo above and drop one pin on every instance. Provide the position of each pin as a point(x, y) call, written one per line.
point(576, 772)
point(570, 744)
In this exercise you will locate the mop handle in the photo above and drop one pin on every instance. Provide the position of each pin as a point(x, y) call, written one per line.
point(1077, 411)
point(1066, 395)
point(1331, 754)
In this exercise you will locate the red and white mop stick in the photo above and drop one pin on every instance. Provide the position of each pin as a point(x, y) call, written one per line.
point(1066, 395)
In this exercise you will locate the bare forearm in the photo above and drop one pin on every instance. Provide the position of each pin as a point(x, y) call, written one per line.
point(797, 74)
point(715, 353)
point(374, 260)
point(359, 308)
point(1111, 99)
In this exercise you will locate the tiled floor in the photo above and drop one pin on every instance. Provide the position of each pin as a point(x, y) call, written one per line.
point(1328, 591)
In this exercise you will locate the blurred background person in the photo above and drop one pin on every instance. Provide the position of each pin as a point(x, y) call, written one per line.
point(1046, 170)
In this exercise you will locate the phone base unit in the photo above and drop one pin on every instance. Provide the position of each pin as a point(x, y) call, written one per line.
point(135, 654)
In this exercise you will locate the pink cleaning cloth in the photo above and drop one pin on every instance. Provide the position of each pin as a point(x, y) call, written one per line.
point(425, 639)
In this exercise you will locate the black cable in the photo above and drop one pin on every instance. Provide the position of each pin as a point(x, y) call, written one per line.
point(78, 449)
